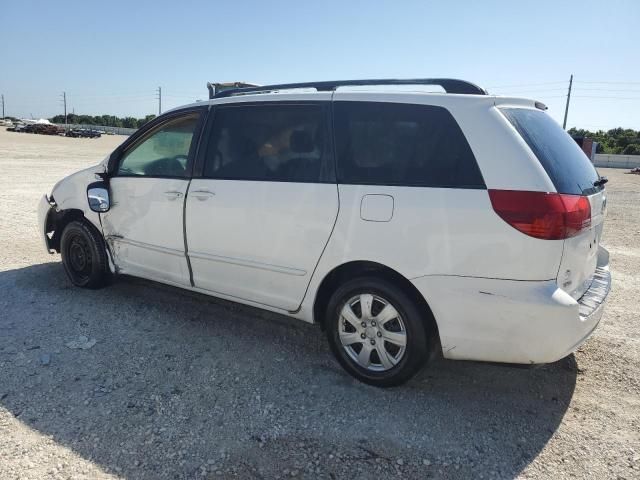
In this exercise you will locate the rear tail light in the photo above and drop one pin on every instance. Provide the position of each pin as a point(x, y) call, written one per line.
point(549, 216)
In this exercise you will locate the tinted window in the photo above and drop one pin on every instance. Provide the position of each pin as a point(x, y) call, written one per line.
point(164, 152)
point(281, 143)
point(566, 164)
point(401, 144)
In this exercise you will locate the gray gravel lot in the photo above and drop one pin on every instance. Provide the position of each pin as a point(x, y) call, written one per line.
point(179, 385)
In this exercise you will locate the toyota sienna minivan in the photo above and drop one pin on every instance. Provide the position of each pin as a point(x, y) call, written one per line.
point(404, 223)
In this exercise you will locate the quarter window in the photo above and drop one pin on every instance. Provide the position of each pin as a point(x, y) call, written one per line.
point(164, 152)
point(402, 144)
point(281, 143)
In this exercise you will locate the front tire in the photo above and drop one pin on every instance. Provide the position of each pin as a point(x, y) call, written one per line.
point(84, 255)
point(376, 332)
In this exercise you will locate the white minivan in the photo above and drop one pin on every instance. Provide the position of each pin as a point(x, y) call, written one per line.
point(405, 223)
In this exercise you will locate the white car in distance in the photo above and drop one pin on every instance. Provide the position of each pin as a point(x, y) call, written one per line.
point(404, 223)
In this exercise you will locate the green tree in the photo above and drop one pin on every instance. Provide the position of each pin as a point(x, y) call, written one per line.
point(616, 141)
point(103, 120)
point(632, 149)
point(146, 119)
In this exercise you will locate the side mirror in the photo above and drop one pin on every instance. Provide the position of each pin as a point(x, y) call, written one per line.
point(98, 197)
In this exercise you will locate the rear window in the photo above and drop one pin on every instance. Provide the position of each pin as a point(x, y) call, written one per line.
point(401, 144)
point(566, 164)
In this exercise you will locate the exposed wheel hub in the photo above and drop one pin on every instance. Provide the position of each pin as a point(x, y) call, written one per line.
point(79, 255)
point(78, 258)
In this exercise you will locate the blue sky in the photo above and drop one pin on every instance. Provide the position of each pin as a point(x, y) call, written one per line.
point(111, 56)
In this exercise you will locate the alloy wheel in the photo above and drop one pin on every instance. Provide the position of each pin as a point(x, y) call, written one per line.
point(372, 332)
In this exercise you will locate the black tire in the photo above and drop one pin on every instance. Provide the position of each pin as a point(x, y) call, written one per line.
point(84, 255)
point(410, 319)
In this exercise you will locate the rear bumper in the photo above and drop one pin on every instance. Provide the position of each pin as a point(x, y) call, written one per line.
point(513, 321)
point(44, 206)
point(591, 304)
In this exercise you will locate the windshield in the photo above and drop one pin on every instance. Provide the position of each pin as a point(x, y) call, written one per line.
point(566, 164)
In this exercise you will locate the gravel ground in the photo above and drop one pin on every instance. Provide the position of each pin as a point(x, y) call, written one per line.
point(172, 384)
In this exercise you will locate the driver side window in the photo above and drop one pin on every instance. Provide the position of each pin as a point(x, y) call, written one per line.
point(163, 152)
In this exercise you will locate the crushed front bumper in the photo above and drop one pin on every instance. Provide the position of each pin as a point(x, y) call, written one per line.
point(44, 207)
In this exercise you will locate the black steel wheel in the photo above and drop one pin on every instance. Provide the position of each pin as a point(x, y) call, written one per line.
point(84, 255)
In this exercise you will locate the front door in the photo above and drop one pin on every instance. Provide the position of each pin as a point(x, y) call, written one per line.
point(262, 212)
point(144, 227)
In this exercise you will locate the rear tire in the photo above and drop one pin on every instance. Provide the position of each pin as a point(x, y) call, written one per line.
point(376, 332)
point(84, 255)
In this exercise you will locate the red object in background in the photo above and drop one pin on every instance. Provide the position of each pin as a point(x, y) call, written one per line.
point(586, 144)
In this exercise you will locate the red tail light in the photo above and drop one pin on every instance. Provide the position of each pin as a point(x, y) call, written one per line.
point(550, 216)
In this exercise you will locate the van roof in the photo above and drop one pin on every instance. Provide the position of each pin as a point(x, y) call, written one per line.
point(386, 95)
point(457, 91)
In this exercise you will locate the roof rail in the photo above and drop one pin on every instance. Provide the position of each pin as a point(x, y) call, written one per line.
point(450, 85)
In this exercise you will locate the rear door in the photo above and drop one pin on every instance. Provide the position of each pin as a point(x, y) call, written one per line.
point(572, 173)
point(144, 227)
point(260, 215)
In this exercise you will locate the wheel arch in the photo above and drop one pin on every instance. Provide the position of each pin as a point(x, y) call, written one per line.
point(352, 269)
point(57, 220)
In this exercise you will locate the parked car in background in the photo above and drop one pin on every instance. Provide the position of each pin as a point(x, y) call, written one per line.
point(92, 133)
point(46, 129)
point(405, 224)
point(83, 133)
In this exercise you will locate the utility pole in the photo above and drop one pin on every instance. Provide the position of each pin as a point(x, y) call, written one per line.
point(3, 106)
point(566, 108)
point(64, 101)
point(159, 100)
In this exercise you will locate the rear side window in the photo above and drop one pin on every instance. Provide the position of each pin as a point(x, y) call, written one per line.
point(402, 144)
point(566, 164)
point(270, 142)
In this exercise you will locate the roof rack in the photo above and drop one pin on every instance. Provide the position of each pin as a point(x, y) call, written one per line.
point(450, 85)
point(216, 88)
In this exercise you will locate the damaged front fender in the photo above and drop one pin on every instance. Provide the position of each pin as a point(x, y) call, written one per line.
point(45, 207)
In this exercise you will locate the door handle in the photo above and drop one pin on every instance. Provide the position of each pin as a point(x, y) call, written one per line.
point(202, 195)
point(173, 195)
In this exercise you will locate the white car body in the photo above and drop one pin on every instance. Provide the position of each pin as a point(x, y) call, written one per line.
point(496, 294)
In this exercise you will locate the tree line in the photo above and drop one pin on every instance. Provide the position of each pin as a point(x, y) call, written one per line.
point(103, 120)
point(623, 141)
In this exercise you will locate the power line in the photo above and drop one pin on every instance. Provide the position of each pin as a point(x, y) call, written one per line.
point(115, 94)
point(526, 85)
point(598, 96)
point(606, 90)
point(608, 83)
point(536, 90)
point(115, 100)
